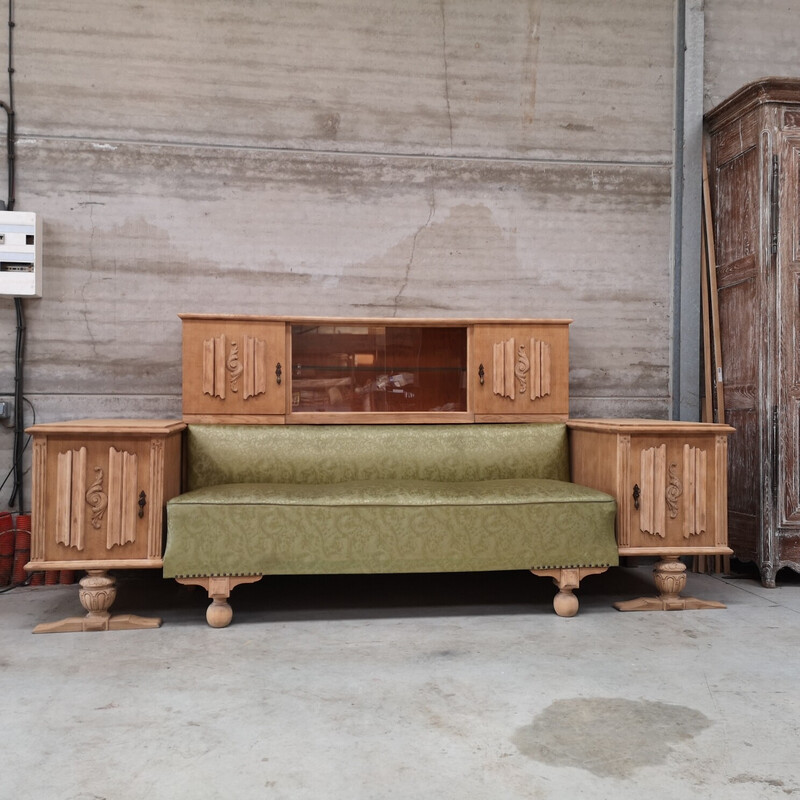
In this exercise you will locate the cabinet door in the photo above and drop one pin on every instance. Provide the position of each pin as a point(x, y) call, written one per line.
point(743, 315)
point(98, 497)
point(677, 490)
point(787, 415)
point(520, 370)
point(233, 367)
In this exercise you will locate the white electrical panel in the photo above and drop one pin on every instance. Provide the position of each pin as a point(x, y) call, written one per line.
point(20, 254)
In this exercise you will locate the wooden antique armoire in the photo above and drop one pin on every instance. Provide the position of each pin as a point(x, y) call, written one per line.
point(754, 177)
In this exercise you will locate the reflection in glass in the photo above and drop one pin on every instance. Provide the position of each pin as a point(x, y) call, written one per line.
point(346, 368)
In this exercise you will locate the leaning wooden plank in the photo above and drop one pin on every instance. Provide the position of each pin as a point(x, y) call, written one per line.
point(711, 259)
point(707, 413)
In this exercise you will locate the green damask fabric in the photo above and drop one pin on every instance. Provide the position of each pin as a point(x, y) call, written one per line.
point(398, 498)
point(439, 529)
point(218, 454)
point(508, 491)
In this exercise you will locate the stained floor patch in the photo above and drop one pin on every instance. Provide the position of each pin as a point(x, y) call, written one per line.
point(609, 737)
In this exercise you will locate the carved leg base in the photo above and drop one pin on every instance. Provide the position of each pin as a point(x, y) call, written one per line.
point(565, 604)
point(670, 579)
point(768, 573)
point(97, 592)
point(219, 614)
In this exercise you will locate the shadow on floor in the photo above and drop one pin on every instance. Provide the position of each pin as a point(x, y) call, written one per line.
point(311, 597)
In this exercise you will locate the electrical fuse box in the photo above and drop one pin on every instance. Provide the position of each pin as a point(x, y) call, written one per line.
point(20, 254)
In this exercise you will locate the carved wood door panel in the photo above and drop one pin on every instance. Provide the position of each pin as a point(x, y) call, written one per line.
point(520, 369)
point(234, 367)
point(788, 411)
point(673, 487)
point(743, 309)
point(98, 500)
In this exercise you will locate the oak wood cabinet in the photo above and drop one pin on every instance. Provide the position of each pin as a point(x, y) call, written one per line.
point(754, 177)
point(236, 366)
point(100, 489)
point(670, 482)
point(529, 368)
point(251, 369)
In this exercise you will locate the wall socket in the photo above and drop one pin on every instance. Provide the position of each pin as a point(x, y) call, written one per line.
point(5, 409)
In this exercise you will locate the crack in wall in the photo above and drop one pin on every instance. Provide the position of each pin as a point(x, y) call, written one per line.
point(410, 263)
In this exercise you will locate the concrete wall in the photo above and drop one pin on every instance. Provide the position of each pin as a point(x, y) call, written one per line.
point(746, 41)
point(350, 157)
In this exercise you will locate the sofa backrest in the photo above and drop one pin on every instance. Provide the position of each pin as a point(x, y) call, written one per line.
point(220, 454)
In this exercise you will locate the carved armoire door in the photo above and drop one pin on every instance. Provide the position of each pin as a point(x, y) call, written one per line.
point(788, 329)
point(743, 278)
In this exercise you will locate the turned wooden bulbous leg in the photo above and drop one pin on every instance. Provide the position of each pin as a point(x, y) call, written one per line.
point(219, 614)
point(97, 592)
point(669, 575)
point(565, 604)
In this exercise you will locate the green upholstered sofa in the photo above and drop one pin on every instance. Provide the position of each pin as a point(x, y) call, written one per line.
point(299, 499)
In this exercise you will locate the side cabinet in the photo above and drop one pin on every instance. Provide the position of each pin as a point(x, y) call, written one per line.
point(670, 483)
point(100, 489)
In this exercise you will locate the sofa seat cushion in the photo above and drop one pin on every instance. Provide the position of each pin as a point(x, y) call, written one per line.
point(365, 526)
point(394, 493)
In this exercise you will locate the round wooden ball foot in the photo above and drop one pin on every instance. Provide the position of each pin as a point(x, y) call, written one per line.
point(565, 604)
point(568, 579)
point(219, 614)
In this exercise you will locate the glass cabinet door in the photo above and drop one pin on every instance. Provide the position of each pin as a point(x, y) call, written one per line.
point(343, 368)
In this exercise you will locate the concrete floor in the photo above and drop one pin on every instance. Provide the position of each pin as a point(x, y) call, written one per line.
point(460, 686)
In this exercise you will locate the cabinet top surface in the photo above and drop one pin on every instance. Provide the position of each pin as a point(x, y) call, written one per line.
point(784, 91)
point(439, 321)
point(649, 426)
point(116, 426)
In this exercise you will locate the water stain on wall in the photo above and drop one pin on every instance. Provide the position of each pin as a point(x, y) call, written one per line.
point(452, 247)
point(609, 737)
